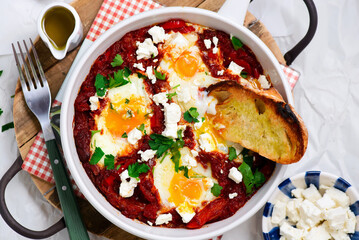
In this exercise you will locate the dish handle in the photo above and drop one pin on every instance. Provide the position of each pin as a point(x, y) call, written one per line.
point(236, 11)
point(9, 219)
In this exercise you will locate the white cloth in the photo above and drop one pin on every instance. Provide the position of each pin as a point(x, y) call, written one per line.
point(325, 97)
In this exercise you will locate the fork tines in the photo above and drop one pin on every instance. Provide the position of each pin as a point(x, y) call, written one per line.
point(31, 80)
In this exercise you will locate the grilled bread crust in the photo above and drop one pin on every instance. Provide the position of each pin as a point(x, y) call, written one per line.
point(259, 120)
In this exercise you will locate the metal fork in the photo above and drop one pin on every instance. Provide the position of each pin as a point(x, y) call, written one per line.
point(38, 98)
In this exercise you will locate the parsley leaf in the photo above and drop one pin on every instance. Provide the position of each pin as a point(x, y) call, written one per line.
point(127, 101)
point(101, 84)
point(244, 74)
point(1, 111)
point(109, 161)
point(176, 86)
point(96, 156)
point(117, 61)
point(170, 95)
point(126, 72)
point(185, 169)
point(141, 127)
point(118, 79)
point(159, 75)
point(118, 166)
point(7, 126)
point(94, 131)
point(249, 179)
point(232, 153)
point(191, 115)
point(160, 143)
point(176, 154)
point(124, 135)
point(140, 75)
point(259, 178)
point(1, 72)
point(237, 44)
point(134, 170)
point(216, 189)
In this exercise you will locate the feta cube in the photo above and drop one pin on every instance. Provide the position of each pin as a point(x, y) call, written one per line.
point(311, 193)
point(172, 114)
point(188, 161)
point(279, 212)
point(232, 195)
point(339, 235)
point(147, 155)
point(215, 42)
point(336, 218)
point(349, 225)
point(150, 75)
point(163, 218)
point(339, 197)
point(292, 210)
point(139, 66)
point(207, 43)
point(183, 95)
point(158, 34)
point(290, 232)
point(297, 192)
point(146, 49)
point(134, 135)
point(194, 153)
point(235, 175)
point(94, 103)
point(325, 202)
point(310, 213)
point(127, 186)
point(206, 142)
point(263, 82)
point(318, 233)
point(160, 98)
point(235, 68)
point(220, 72)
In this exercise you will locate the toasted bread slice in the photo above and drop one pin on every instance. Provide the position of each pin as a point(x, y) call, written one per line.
point(259, 120)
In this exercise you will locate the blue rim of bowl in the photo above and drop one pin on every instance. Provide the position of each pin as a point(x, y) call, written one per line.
point(310, 177)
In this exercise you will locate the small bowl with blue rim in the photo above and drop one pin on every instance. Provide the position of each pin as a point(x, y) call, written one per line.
point(304, 180)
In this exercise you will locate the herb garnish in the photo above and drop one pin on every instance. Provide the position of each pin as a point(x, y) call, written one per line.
point(159, 75)
point(124, 135)
point(134, 170)
point(141, 127)
point(232, 154)
point(237, 44)
point(118, 79)
point(117, 61)
point(185, 169)
point(244, 74)
point(109, 161)
point(127, 101)
point(118, 166)
point(1, 111)
point(1, 72)
point(96, 156)
point(7, 126)
point(170, 95)
point(191, 115)
point(94, 131)
point(216, 189)
point(101, 84)
point(249, 179)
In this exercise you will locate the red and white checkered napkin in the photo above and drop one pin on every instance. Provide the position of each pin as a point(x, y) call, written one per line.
point(37, 161)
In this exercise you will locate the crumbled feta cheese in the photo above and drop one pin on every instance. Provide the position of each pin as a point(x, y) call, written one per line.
point(325, 202)
point(208, 182)
point(94, 103)
point(163, 218)
point(290, 232)
point(183, 95)
point(155, 60)
point(194, 153)
point(311, 193)
point(146, 49)
point(158, 34)
point(349, 225)
point(339, 235)
point(222, 147)
point(172, 114)
point(189, 161)
point(149, 223)
point(235, 68)
point(279, 212)
point(215, 42)
point(297, 192)
point(292, 210)
point(338, 197)
point(198, 124)
point(127, 187)
point(263, 82)
point(150, 75)
point(207, 43)
point(139, 66)
point(147, 155)
point(160, 98)
point(310, 213)
point(318, 233)
point(232, 195)
point(206, 142)
point(336, 218)
point(134, 135)
point(220, 72)
point(235, 175)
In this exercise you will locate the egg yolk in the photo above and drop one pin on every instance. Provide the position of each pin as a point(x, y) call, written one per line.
point(182, 189)
point(186, 64)
point(119, 122)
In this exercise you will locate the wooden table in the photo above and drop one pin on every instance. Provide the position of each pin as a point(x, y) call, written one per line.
point(27, 126)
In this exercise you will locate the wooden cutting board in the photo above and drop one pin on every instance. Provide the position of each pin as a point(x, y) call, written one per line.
point(27, 126)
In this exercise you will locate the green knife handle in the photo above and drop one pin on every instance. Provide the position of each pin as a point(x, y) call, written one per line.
point(68, 201)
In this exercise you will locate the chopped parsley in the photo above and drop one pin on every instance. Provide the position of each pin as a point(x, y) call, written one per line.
point(191, 115)
point(232, 153)
point(13, 96)
point(129, 113)
point(249, 179)
point(237, 44)
point(119, 79)
point(111, 106)
point(1, 111)
point(246, 157)
point(101, 84)
point(1, 72)
point(127, 101)
point(134, 170)
point(7, 126)
point(140, 75)
point(216, 189)
point(185, 169)
point(118, 166)
point(160, 143)
point(94, 131)
point(96, 156)
point(124, 135)
point(244, 74)
point(109, 161)
point(170, 95)
point(159, 75)
point(176, 86)
point(141, 127)
point(126, 72)
point(117, 61)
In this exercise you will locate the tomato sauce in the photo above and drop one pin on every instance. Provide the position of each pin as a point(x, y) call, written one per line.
point(145, 202)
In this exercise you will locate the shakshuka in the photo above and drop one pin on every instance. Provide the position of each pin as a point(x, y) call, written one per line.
point(144, 132)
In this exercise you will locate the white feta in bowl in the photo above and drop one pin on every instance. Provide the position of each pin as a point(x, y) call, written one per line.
point(313, 205)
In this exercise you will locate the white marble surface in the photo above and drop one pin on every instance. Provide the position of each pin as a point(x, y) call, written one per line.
point(325, 96)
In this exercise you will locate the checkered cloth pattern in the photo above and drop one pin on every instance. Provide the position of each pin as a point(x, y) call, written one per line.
point(37, 161)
